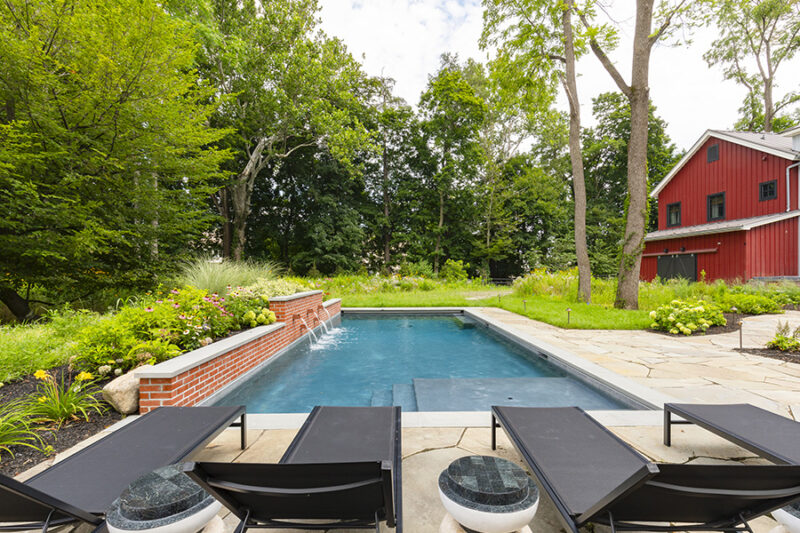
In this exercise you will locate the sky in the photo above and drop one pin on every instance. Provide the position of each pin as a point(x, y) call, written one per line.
point(403, 39)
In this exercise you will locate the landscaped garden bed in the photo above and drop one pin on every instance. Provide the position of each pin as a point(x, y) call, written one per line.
point(54, 436)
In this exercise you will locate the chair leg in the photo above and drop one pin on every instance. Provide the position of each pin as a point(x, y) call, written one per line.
point(242, 527)
point(611, 522)
point(667, 427)
point(244, 430)
point(494, 432)
point(46, 524)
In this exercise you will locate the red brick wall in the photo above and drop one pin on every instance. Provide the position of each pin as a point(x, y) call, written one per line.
point(198, 383)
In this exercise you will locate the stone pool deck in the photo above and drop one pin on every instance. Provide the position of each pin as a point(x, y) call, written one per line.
point(694, 369)
point(700, 368)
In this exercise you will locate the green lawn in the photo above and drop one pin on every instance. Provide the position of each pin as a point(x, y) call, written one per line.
point(581, 316)
point(539, 308)
point(444, 297)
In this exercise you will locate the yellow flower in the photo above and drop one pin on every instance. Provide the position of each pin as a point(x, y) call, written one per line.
point(42, 399)
point(40, 374)
point(84, 376)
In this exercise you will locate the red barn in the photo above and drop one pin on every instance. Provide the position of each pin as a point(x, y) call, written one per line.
point(730, 208)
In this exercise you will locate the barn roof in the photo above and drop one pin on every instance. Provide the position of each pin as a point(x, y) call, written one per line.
point(720, 227)
point(778, 144)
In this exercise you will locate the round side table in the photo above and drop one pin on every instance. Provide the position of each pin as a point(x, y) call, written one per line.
point(487, 494)
point(789, 517)
point(163, 501)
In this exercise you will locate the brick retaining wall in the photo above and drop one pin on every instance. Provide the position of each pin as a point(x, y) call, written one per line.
point(194, 376)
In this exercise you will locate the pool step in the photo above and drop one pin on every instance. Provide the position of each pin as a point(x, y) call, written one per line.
point(479, 394)
point(403, 394)
point(381, 398)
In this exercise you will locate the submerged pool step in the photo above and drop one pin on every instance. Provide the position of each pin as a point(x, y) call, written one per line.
point(403, 394)
point(479, 394)
point(381, 398)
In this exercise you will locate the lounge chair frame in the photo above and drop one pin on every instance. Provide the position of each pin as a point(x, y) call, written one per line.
point(385, 475)
point(57, 512)
point(644, 478)
point(690, 417)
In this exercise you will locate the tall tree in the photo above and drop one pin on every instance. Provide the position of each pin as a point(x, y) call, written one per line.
point(288, 87)
point(106, 156)
point(452, 115)
point(756, 37)
point(638, 94)
point(605, 151)
point(540, 36)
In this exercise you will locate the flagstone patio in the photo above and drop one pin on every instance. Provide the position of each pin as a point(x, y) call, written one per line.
point(700, 368)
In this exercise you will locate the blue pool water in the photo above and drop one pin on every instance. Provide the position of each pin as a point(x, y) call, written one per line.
point(425, 363)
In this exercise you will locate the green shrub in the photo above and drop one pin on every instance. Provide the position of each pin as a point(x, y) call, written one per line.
point(220, 276)
point(269, 288)
point(165, 324)
point(59, 401)
point(420, 268)
point(686, 317)
point(16, 427)
point(454, 270)
point(785, 340)
point(749, 304)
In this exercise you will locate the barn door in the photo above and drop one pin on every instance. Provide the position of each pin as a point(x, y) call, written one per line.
point(677, 266)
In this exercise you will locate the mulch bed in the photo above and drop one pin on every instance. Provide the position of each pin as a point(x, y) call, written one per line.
point(68, 435)
point(791, 357)
point(732, 325)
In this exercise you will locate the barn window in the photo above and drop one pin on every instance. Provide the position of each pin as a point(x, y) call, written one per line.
point(674, 214)
point(768, 190)
point(716, 206)
point(712, 154)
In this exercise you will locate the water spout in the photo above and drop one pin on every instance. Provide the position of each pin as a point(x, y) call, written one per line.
point(326, 312)
point(324, 326)
point(313, 335)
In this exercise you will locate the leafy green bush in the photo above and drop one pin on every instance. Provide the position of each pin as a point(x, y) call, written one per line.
point(785, 339)
point(454, 270)
point(269, 288)
point(686, 317)
point(420, 268)
point(749, 304)
point(59, 401)
point(165, 324)
point(16, 427)
point(219, 276)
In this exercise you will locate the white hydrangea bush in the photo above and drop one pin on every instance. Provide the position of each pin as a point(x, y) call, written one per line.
point(687, 317)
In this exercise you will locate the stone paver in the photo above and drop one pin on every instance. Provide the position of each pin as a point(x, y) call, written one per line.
point(692, 369)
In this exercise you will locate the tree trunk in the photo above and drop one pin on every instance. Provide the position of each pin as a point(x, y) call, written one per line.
point(241, 193)
point(386, 226)
point(16, 304)
point(639, 96)
point(154, 223)
point(769, 112)
point(576, 159)
point(486, 262)
point(436, 250)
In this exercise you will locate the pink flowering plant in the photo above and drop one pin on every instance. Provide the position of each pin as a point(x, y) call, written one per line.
point(165, 324)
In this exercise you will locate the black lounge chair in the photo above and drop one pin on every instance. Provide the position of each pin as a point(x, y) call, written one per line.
point(342, 470)
point(593, 476)
point(764, 433)
point(84, 485)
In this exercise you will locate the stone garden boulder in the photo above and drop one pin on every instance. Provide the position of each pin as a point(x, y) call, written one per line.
point(123, 393)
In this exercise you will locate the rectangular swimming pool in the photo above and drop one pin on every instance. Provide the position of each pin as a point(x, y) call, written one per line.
point(420, 362)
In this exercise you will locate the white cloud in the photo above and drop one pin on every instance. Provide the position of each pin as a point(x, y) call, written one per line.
point(403, 39)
